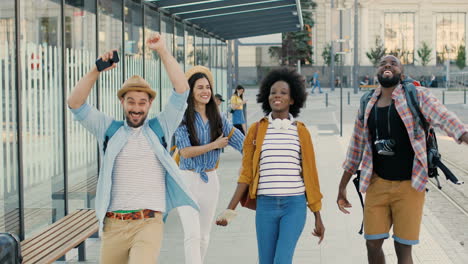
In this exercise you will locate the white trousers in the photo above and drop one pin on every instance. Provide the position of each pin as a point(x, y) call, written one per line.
point(197, 225)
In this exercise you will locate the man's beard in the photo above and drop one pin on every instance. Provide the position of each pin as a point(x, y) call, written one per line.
point(129, 119)
point(389, 82)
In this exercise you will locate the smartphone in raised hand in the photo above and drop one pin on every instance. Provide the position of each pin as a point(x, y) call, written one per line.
point(102, 65)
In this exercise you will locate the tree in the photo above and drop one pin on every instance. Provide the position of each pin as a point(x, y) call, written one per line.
point(275, 52)
point(461, 57)
point(326, 55)
point(424, 54)
point(376, 53)
point(296, 45)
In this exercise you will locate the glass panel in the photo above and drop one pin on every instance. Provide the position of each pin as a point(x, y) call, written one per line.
point(167, 29)
point(80, 54)
point(189, 47)
point(9, 191)
point(42, 109)
point(451, 30)
point(133, 38)
point(399, 35)
point(110, 37)
point(180, 44)
point(200, 59)
point(206, 51)
point(226, 92)
point(152, 61)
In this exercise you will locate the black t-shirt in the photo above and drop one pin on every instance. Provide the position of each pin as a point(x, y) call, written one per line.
point(399, 166)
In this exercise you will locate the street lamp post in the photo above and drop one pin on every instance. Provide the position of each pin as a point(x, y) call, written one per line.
point(332, 50)
point(356, 48)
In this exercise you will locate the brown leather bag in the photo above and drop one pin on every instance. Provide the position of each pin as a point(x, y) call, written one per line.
point(245, 200)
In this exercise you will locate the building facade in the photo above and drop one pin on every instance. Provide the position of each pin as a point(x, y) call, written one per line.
point(401, 25)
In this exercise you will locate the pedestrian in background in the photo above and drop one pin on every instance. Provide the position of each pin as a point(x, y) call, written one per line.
point(316, 82)
point(237, 105)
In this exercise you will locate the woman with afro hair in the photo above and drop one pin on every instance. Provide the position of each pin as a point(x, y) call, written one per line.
point(279, 170)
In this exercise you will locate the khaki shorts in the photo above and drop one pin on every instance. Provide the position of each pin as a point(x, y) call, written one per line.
point(393, 203)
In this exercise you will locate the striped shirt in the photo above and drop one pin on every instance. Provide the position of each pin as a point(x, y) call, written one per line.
point(280, 163)
point(138, 177)
point(209, 159)
point(360, 149)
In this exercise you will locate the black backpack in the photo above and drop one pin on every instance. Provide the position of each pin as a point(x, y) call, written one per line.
point(10, 249)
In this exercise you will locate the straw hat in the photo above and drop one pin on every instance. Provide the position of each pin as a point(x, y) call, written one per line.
point(136, 83)
point(201, 69)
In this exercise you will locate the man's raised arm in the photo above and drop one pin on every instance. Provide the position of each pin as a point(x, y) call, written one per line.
point(157, 43)
point(80, 93)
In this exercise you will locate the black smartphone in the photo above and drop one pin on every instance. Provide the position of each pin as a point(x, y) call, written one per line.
point(102, 65)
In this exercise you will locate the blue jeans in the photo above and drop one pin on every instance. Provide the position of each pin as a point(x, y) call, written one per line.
point(317, 84)
point(279, 221)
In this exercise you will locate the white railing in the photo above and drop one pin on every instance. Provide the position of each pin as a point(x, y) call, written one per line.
point(42, 110)
point(8, 150)
point(458, 80)
point(82, 153)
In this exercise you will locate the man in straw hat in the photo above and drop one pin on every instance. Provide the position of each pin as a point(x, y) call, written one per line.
point(138, 179)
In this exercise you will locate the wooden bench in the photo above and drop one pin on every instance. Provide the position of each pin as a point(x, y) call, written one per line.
point(85, 189)
point(57, 239)
point(368, 86)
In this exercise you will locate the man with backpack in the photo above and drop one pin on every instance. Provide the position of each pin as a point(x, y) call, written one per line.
point(138, 182)
point(389, 144)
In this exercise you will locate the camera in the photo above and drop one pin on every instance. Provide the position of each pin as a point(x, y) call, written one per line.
point(385, 147)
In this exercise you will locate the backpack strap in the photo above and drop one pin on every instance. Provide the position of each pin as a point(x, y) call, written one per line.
point(157, 129)
point(113, 127)
point(413, 103)
point(365, 98)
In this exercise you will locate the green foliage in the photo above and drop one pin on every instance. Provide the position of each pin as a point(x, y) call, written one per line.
point(424, 54)
point(326, 55)
point(295, 44)
point(377, 52)
point(275, 52)
point(461, 57)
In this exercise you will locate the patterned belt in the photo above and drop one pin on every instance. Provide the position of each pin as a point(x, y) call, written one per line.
point(147, 213)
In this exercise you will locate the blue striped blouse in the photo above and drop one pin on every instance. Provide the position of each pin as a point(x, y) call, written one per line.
point(207, 160)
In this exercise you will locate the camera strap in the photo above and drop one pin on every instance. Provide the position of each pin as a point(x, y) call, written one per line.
point(377, 118)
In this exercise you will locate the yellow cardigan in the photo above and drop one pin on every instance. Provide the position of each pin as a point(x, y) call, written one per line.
point(251, 163)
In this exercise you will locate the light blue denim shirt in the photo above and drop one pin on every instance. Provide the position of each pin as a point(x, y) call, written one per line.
point(96, 122)
point(209, 159)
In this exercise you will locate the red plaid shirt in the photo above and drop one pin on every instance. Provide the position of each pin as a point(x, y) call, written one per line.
point(360, 148)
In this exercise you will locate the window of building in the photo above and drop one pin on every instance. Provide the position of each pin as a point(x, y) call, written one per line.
point(450, 35)
point(399, 36)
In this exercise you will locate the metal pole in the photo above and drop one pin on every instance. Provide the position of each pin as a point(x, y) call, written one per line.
point(341, 96)
point(64, 116)
point(356, 47)
point(19, 117)
point(326, 99)
point(229, 66)
point(349, 99)
point(332, 51)
point(236, 62)
point(443, 97)
point(464, 96)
